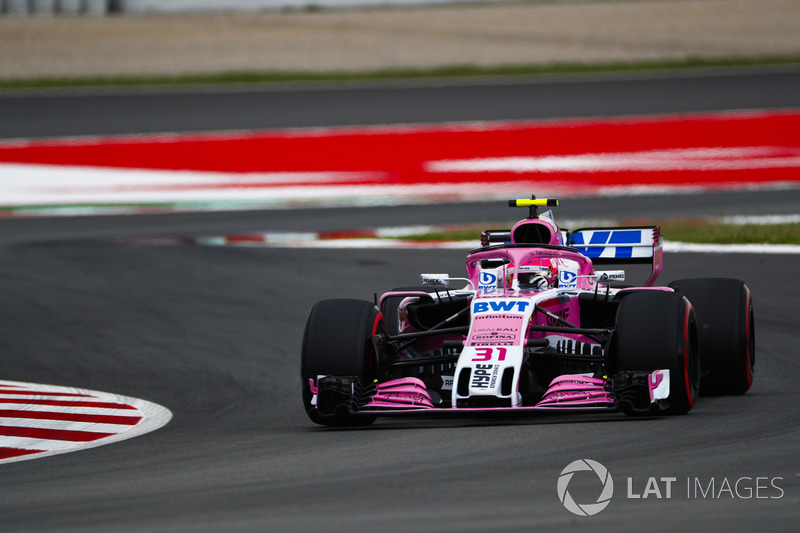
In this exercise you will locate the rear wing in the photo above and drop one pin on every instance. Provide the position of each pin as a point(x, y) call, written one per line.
point(629, 245)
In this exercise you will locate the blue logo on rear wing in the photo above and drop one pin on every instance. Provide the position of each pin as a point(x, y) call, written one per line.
point(620, 246)
point(610, 243)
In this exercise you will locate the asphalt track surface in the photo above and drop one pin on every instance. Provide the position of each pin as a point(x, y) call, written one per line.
point(111, 111)
point(214, 334)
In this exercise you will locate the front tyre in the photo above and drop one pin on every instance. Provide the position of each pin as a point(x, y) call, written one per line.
point(657, 330)
point(338, 342)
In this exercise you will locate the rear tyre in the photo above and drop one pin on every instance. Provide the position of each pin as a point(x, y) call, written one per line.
point(657, 330)
point(726, 327)
point(338, 342)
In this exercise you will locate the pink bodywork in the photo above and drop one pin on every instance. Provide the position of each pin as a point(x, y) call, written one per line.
point(567, 391)
point(576, 390)
point(405, 393)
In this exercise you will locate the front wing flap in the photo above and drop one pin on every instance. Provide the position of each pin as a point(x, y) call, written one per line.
point(631, 392)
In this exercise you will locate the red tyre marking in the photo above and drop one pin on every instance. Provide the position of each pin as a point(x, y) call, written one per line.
point(687, 381)
point(378, 320)
point(747, 340)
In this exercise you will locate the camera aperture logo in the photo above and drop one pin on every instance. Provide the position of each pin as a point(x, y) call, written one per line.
point(585, 509)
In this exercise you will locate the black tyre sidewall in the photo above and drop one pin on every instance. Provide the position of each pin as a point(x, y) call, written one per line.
point(657, 330)
point(338, 342)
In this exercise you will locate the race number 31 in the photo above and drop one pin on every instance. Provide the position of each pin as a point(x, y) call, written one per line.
point(486, 354)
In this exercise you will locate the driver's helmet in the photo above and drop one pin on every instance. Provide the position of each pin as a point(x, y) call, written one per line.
point(536, 274)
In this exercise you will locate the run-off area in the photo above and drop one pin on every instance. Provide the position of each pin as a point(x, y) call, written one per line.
point(404, 164)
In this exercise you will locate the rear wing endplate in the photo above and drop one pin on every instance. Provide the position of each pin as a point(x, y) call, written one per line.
point(630, 245)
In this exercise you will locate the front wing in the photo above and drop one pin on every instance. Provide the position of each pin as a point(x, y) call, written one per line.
point(630, 392)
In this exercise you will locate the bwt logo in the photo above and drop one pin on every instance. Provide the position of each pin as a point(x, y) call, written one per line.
point(488, 282)
point(586, 509)
point(567, 279)
point(508, 306)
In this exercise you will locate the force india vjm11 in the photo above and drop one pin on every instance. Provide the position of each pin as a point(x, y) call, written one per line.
point(535, 328)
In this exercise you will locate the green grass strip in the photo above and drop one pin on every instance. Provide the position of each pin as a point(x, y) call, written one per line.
point(455, 72)
point(703, 232)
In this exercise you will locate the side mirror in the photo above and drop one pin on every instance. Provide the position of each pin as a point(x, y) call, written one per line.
point(435, 279)
point(610, 275)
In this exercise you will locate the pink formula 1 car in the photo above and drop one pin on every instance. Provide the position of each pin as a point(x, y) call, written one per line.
point(535, 328)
